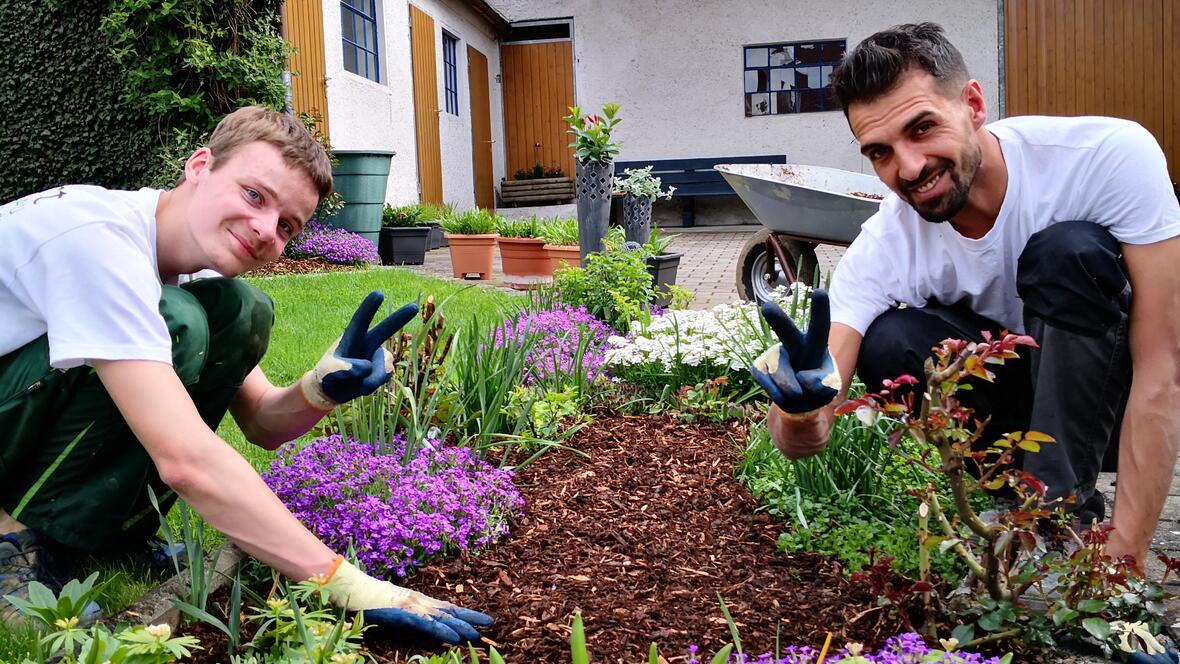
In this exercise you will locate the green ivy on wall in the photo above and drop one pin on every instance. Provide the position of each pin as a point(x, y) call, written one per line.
point(66, 119)
point(119, 92)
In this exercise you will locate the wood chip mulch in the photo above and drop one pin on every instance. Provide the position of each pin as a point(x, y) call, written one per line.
point(640, 536)
point(282, 266)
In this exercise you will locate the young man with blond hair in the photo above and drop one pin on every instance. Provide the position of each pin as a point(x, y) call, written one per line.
point(116, 366)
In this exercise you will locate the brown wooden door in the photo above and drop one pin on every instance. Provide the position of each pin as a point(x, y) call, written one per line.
point(422, 56)
point(481, 129)
point(1096, 57)
point(305, 32)
point(538, 91)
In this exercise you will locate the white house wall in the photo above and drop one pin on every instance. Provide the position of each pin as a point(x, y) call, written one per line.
point(366, 115)
point(676, 67)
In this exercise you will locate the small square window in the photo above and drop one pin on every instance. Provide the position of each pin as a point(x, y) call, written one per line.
point(791, 77)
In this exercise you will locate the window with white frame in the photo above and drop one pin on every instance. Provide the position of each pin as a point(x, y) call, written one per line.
point(793, 77)
point(450, 46)
point(358, 27)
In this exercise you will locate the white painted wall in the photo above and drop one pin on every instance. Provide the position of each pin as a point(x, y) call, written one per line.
point(365, 115)
point(676, 67)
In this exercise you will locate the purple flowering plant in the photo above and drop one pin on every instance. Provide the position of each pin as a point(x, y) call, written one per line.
point(394, 515)
point(908, 648)
point(567, 342)
point(335, 245)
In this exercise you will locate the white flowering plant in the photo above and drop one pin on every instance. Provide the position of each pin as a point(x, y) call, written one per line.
point(686, 347)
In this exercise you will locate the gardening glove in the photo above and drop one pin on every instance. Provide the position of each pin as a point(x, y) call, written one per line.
point(1167, 657)
point(798, 373)
point(387, 605)
point(357, 363)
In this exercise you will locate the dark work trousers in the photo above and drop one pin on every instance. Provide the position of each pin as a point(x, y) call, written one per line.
point(92, 494)
point(1073, 387)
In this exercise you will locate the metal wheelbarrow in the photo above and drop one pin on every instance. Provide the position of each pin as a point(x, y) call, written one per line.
point(801, 207)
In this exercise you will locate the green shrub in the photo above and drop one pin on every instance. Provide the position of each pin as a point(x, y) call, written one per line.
point(614, 286)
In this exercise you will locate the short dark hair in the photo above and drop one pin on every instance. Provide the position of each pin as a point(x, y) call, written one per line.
point(875, 65)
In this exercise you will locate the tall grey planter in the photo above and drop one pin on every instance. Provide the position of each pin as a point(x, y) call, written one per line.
point(593, 187)
point(637, 218)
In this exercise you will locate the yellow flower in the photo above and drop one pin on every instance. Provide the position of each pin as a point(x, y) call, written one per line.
point(950, 644)
point(63, 624)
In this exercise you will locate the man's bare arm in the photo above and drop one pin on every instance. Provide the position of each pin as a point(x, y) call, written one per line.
point(206, 472)
point(270, 416)
point(797, 437)
point(1150, 432)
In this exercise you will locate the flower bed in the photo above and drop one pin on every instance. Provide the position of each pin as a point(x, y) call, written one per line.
point(560, 333)
point(335, 245)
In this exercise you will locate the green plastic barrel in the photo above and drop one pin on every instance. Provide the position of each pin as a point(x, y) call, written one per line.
point(361, 177)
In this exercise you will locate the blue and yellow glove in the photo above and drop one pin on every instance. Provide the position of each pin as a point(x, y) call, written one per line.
point(386, 605)
point(356, 364)
point(798, 373)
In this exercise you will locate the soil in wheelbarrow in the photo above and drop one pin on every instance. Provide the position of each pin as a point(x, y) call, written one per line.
point(641, 536)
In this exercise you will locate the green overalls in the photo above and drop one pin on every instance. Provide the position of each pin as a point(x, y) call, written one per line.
point(92, 494)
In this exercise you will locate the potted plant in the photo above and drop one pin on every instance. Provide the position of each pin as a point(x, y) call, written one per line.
point(561, 242)
point(404, 238)
point(431, 213)
point(639, 189)
point(594, 167)
point(661, 265)
point(472, 240)
point(522, 253)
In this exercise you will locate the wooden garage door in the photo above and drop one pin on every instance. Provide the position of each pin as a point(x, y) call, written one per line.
point(1096, 57)
point(538, 91)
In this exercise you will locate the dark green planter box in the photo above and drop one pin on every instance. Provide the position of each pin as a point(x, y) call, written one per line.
point(361, 177)
point(403, 245)
point(662, 269)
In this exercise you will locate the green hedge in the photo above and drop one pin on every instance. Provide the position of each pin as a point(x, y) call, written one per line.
point(65, 118)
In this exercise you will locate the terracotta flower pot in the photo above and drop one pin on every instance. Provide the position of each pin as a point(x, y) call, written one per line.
point(564, 255)
point(525, 262)
point(472, 254)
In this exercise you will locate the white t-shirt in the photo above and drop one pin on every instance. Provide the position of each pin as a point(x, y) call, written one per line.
point(79, 262)
point(1108, 171)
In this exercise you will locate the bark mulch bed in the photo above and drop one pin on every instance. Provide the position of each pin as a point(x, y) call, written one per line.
point(282, 266)
point(640, 537)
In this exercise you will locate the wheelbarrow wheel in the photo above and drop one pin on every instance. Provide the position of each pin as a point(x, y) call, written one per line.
point(753, 283)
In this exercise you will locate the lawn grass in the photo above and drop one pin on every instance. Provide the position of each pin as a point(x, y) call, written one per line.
point(311, 311)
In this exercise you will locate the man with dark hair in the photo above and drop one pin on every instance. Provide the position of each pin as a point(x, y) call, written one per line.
point(1065, 229)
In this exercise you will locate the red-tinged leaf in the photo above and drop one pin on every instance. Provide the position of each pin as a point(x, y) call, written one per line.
point(895, 437)
point(848, 407)
point(1033, 483)
point(986, 334)
point(1038, 436)
point(1023, 340)
point(906, 379)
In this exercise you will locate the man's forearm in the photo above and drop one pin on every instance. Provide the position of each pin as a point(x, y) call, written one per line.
point(277, 415)
point(1148, 444)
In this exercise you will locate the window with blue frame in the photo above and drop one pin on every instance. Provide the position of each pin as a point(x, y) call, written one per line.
point(450, 73)
point(792, 77)
point(358, 26)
